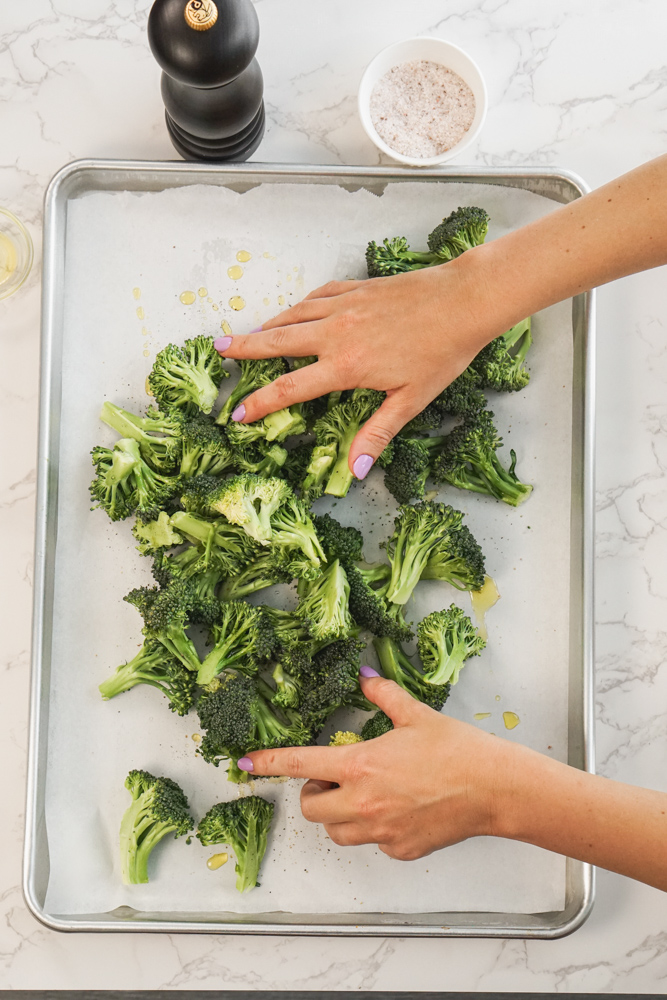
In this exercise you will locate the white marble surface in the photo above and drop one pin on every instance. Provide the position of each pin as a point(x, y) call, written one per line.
point(577, 85)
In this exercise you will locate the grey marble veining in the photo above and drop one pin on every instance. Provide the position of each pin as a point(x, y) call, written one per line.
point(577, 85)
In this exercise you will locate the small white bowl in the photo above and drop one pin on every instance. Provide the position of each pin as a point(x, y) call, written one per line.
point(435, 50)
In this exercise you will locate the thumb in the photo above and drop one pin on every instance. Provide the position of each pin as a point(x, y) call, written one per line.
point(371, 440)
point(390, 698)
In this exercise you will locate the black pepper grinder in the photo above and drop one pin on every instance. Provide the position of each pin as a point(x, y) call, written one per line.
point(212, 85)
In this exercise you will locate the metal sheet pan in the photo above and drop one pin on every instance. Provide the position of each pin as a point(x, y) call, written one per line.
point(115, 175)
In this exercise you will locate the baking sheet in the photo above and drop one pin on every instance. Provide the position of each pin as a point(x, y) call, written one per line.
point(299, 236)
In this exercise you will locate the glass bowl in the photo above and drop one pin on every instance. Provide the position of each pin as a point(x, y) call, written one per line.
point(16, 253)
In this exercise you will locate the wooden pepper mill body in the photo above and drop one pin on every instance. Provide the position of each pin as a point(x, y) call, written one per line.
point(212, 85)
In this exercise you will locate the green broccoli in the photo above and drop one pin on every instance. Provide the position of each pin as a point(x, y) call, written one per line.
point(155, 535)
point(462, 397)
point(158, 807)
point(275, 426)
point(445, 640)
point(338, 542)
point(166, 614)
point(246, 500)
point(157, 434)
point(332, 682)
point(206, 450)
point(500, 365)
point(418, 530)
point(125, 483)
point(371, 610)
point(469, 460)
point(394, 256)
point(241, 638)
point(406, 476)
point(377, 725)
point(262, 572)
point(153, 665)
point(462, 230)
point(328, 470)
point(244, 824)
point(398, 667)
point(428, 419)
point(254, 375)
point(323, 603)
point(187, 378)
point(294, 539)
point(457, 560)
point(253, 458)
point(296, 465)
point(221, 545)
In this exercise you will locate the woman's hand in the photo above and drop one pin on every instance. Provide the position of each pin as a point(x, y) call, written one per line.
point(430, 782)
point(408, 335)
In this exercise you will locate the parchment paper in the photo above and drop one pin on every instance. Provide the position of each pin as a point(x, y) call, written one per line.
point(299, 236)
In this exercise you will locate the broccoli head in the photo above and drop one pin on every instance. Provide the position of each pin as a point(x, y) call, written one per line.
point(332, 682)
point(155, 535)
point(246, 500)
point(445, 640)
point(371, 610)
point(377, 725)
point(167, 614)
point(153, 665)
point(500, 365)
point(462, 230)
point(338, 541)
point(125, 483)
point(394, 256)
point(457, 560)
point(187, 378)
point(462, 397)
point(158, 807)
point(261, 459)
point(406, 476)
point(242, 638)
point(206, 450)
point(263, 571)
point(244, 824)
point(344, 739)
point(418, 529)
point(398, 667)
point(157, 434)
point(334, 432)
point(323, 603)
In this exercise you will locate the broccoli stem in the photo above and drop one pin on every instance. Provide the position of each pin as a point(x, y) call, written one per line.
point(280, 424)
point(139, 670)
point(395, 663)
point(340, 480)
point(410, 558)
point(177, 642)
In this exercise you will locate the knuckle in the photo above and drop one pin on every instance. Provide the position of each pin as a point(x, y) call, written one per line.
point(291, 762)
point(348, 359)
point(357, 770)
point(378, 435)
point(278, 339)
point(284, 387)
point(330, 288)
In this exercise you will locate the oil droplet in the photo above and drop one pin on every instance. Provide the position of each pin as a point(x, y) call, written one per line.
point(243, 256)
point(266, 302)
point(497, 697)
point(202, 292)
point(136, 292)
point(289, 277)
point(209, 299)
point(281, 300)
point(295, 268)
point(187, 298)
point(147, 353)
point(217, 861)
point(144, 331)
point(237, 303)
point(511, 720)
point(226, 327)
point(481, 715)
point(235, 272)
point(214, 307)
point(268, 255)
point(430, 495)
point(481, 601)
point(196, 738)
point(140, 312)
point(147, 387)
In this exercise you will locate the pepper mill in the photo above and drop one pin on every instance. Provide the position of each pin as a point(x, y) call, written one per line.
point(212, 85)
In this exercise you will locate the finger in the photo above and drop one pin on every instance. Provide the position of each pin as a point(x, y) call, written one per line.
point(333, 288)
point(400, 706)
point(348, 834)
point(294, 387)
point(323, 763)
point(297, 341)
point(399, 407)
point(325, 805)
point(306, 311)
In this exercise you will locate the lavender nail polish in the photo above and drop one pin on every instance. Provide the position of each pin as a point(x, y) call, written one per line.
point(239, 413)
point(245, 764)
point(368, 671)
point(222, 344)
point(362, 466)
point(257, 329)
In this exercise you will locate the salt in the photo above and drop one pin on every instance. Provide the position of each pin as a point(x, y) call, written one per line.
point(421, 108)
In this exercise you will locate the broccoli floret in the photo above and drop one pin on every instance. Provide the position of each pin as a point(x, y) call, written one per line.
point(153, 665)
point(222, 546)
point(398, 667)
point(238, 717)
point(260, 461)
point(344, 739)
point(166, 614)
point(155, 535)
point(294, 539)
point(244, 824)
point(469, 460)
point(428, 419)
point(457, 560)
point(371, 610)
point(158, 807)
point(262, 572)
point(157, 434)
point(324, 603)
point(338, 541)
point(406, 476)
point(377, 725)
point(332, 682)
point(460, 231)
point(296, 464)
point(206, 450)
point(335, 433)
point(500, 365)
point(246, 500)
point(125, 483)
point(275, 426)
point(254, 375)
point(187, 377)
point(241, 638)
point(445, 640)
point(463, 396)
point(394, 256)
point(418, 529)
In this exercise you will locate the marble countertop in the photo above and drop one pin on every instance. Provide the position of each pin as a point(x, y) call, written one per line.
point(577, 86)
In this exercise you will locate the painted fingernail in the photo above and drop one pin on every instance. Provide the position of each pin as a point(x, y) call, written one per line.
point(222, 344)
point(245, 764)
point(368, 672)
point(239, 413)
point(362, 466)
point(257, 329)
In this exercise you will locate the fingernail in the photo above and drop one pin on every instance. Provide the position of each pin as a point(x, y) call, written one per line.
point(362, 466)
point(222, 344)
point(245, 764)
point(368, 672)
point(239, 414)
point(257, 329)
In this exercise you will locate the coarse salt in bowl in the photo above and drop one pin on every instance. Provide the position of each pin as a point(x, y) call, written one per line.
point(430, 50)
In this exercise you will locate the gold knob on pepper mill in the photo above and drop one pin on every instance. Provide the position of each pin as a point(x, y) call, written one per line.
point(200, 14)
